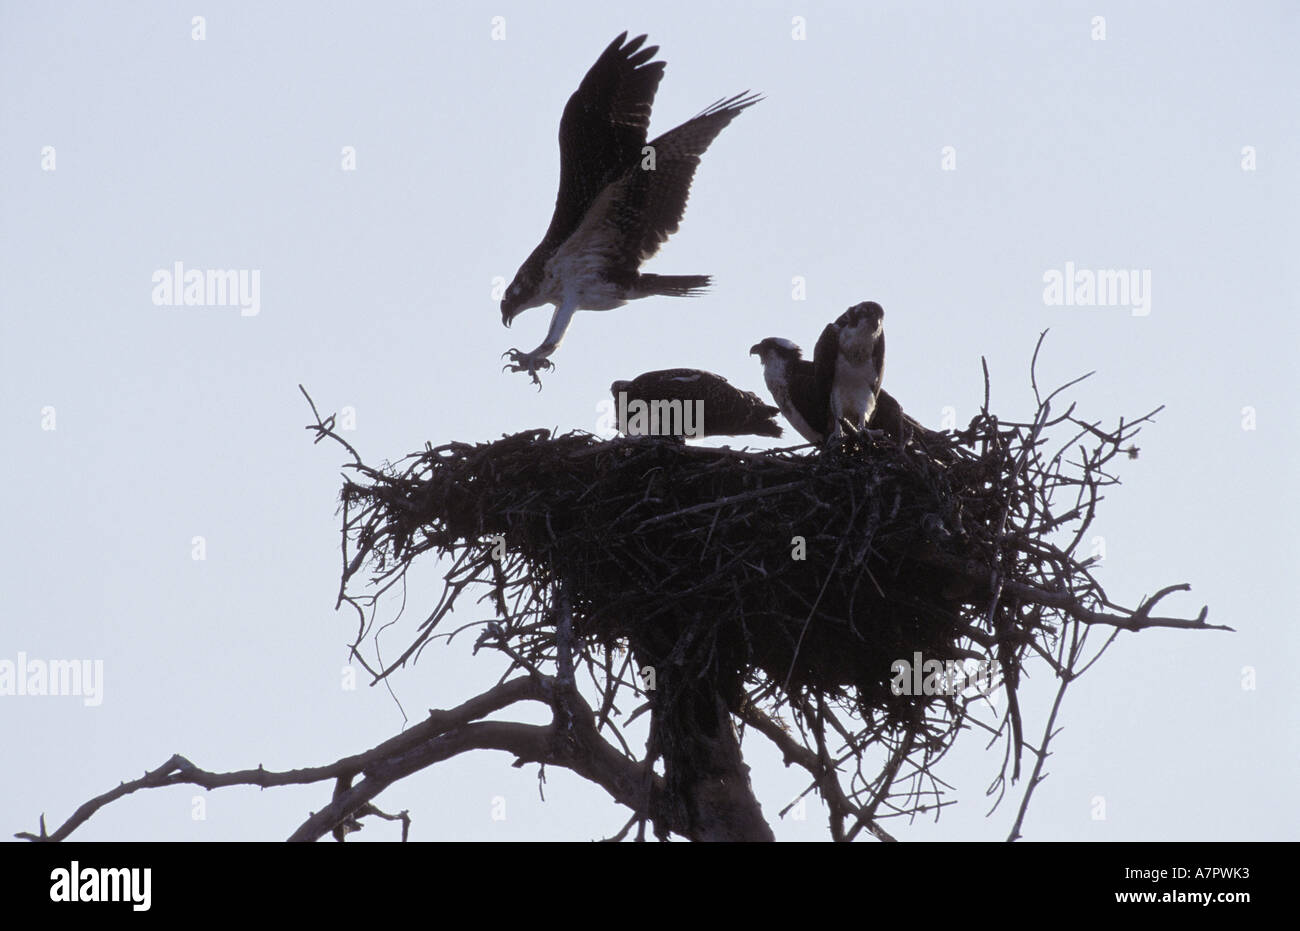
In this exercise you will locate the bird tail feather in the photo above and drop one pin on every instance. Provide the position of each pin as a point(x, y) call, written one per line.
point(672, 285)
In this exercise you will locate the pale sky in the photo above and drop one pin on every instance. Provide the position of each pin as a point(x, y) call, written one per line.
point(941, 159)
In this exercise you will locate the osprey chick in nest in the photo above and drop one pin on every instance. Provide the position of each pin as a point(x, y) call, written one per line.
point(842, 383)
point(690, 403)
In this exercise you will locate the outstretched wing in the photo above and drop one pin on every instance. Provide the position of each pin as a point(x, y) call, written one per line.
point(648, 204)
point(603, 128)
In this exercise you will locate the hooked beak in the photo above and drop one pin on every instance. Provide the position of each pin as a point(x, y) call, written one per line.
point(753, 350)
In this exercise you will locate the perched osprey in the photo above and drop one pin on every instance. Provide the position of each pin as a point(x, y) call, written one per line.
point(793, 382)
point(619, 200)
point(842, 381)
point(690, 402)
point(850, 363)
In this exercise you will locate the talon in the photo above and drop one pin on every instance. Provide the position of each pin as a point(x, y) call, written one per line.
point(526, 362)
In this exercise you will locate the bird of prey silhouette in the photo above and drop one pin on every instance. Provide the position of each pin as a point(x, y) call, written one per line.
point(842, 381)
point(619, 198)
point(690, 403)
point(792, 379)
point(849, 361)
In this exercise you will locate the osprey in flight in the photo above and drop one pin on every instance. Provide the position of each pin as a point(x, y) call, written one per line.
point(841, 383)
point(619, 200)
point(690, 402)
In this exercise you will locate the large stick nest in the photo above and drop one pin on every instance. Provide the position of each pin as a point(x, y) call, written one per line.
point(792, 572)
point(766, 578)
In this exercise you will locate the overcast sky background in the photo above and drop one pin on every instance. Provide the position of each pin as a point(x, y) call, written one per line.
point(376, 293)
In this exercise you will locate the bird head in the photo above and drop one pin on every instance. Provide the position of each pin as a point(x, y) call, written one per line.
point(868, 315)
point(774, 349)
point(521, 294)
